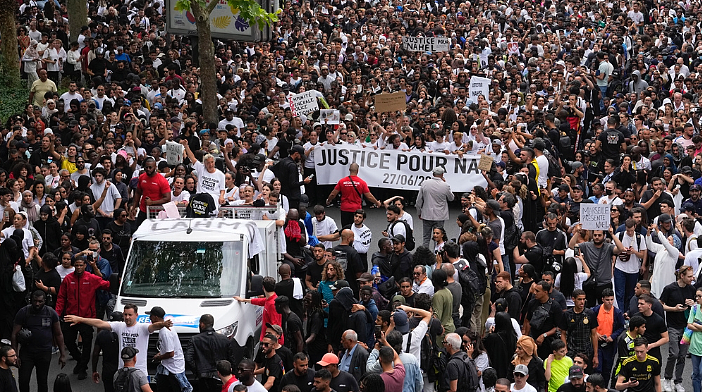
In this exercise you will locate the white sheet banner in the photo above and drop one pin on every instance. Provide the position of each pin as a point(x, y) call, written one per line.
point(397, 169)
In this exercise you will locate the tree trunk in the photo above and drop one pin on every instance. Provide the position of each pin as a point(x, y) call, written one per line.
point(208, 73)
point(10, 64)
point(78, 18)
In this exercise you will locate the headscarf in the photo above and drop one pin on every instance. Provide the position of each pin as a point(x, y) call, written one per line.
point(504, 328)
point(345, 297)
point(84, 183)
point(672, 167)
point(31, 51)
point(30, 208)
point(528, 347)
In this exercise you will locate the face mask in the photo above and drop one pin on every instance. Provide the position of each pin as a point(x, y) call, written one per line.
point(609, 192)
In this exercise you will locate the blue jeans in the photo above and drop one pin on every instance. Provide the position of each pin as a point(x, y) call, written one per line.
point(624, 285)
point(696, 373)
point(505, 262)
point(603, 89)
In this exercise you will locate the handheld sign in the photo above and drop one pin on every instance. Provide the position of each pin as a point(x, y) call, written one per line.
point(595, 216)
point(329, 116)
point(485, 163)
point(174, 153)
point(426, 44)
point(304, 103)
point(479, 86)
point(390, 102)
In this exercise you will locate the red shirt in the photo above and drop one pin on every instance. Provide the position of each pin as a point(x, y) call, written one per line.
point(225, 387)
point(153, 187)
point(270, 315)
point(350, 198)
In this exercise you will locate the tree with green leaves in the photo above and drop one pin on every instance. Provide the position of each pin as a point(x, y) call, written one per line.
point(249, 10)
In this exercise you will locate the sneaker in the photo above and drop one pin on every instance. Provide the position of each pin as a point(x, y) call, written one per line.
point(679, 388)
point(82, 375)
point(667, 385)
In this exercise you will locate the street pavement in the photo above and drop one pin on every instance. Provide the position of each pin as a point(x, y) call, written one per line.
point(377, 222)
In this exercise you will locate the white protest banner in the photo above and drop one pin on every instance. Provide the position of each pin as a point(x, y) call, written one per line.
point(329, 116)
point(426, 44)
point(304, 103)
point(174, 153)
point(595, 216)
point(396, 169)
point(479, 86)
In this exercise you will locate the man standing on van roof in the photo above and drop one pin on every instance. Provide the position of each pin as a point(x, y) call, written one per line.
point(269, 313)
point(153, 187)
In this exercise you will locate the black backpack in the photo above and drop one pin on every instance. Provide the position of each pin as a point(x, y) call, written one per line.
point(554, 167)
point(473, 383)
point(122, 381)
point(469, 280)
point(439, 360)
point(409, 238)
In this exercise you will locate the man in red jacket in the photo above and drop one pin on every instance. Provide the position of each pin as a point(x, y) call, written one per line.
point(76, 296)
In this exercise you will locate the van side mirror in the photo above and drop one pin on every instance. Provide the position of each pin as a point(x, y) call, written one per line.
point(114, 283)
point(256, 287)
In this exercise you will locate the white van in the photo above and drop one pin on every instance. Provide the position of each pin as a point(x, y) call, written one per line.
point(191, 267)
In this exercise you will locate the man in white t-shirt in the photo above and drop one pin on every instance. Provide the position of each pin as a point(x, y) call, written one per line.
point(113, 199)
point(629, 262)
point(521, 374)
point(171, 372)
point(129, 332)
point(209, 178)
point(542, 162)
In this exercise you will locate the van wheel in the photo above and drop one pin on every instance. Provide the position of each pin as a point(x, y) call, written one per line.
point(249, 348)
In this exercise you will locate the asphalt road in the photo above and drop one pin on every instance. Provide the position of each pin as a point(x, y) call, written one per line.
point(377, 222)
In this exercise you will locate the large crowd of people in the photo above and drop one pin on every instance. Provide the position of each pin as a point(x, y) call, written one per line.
point(593, 102)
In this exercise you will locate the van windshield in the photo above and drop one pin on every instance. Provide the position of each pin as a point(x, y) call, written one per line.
point(183, 269)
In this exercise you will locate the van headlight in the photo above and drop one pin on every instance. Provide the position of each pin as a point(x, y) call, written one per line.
point(229, 330)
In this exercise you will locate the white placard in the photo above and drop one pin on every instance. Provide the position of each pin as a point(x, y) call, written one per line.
point(174, 153)
point(304, 103)
point(426, 44)
point(479, 86)
point(595, 216)
point(329, 116)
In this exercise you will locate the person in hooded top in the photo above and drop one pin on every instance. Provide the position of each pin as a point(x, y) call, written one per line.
point(10, 301)
point(49, 229)
point(501, 343)
point(344, 315)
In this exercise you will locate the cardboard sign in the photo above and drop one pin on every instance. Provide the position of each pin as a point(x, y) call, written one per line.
point(329, 116)
point(595, 216)
point(426, 44)
point(479, 86)
point(485, 162)
point(304, 103)
point(390, 102)
point(174, 153)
